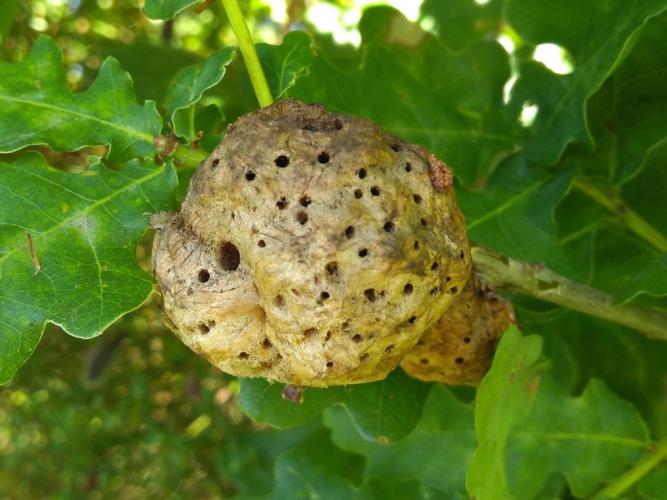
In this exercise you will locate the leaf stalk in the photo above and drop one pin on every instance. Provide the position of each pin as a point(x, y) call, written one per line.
point(626, 480)
point(254, 67)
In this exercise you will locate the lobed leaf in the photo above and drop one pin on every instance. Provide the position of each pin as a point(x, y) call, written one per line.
point(188, 87)
point(596, 237)
point(513, 214)
point(434, 455)
point(283, 64)
point(583, 348)
point(388, 409)
point(522, 413)
point(38, 108)
point(67, 248)
point(451, 103)
point(167, 9)
point(597, 37)
point(301, 475)
point(459, 23)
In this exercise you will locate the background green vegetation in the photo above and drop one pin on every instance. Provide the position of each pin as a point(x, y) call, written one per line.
point(553, 116)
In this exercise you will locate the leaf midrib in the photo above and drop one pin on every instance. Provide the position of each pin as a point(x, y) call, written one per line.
point(508, 204)
point(84, 211)
point(38, 104)
point(582, 436)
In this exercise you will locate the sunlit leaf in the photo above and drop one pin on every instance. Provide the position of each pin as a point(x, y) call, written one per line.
point(167, 9)
point(523, 413)
point(67, 248)
point(188, 87)
point(38, 108)
point(284, 63)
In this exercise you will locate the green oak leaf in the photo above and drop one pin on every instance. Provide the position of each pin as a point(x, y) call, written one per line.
point(167, 9)
point(583, 347)
point(595, 237)
point(451, 103)
point(522, 412)
point(209, 121)
point(152, 66)
point(653, 486)
point(188, 87)
point(628, 116)
point(597, 35)
point(641, 271)
point(643, 191)
point(67, 248)
point(458, 23)
point(286, 62)
point(388, 409)
point(8, 12)
point(436, 453)
point(513, 214)
point(300, 474)
point(38, 108)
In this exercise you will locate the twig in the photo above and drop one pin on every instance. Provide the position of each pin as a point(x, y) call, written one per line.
point(625, 481)
point(249, 53)
point(542, 283)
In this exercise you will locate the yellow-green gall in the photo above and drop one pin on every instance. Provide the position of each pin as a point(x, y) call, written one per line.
point(312, 248)
point(459, 347)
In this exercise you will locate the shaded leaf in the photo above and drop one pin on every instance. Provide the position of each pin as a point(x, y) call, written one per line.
point(435, 454)
point(8, 11)
point(188, 87)
point(286, 62)
point(628, 117)
point(309, 474)
point(513, 214)
point(522, 412)
point(388, 409)
point(583, 347)
point(654, 485)
point(152, 66)
point(596, 36)
point(167, 9)
point(38, 108)
point(67, 248)
point(449, 103)
point(459, 23)
point(596, 237)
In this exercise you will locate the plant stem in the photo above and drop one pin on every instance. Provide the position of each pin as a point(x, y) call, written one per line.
point(625, 481)
point(612, 202)
point(249, 53)
point(537, 281)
